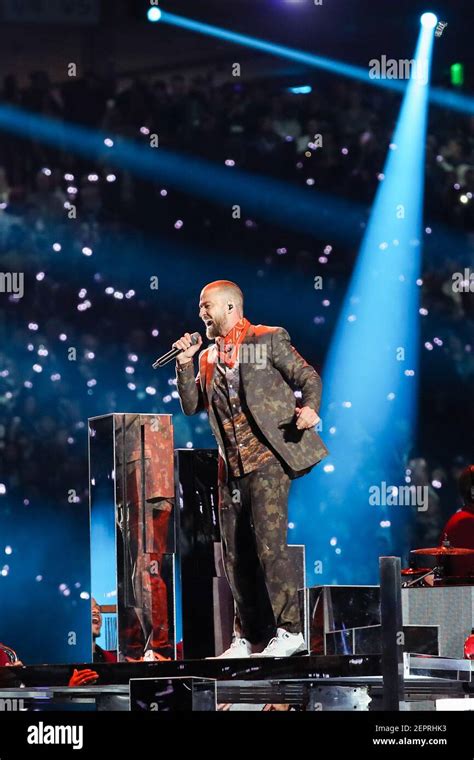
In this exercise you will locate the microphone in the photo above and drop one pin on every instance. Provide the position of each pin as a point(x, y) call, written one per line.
point(173, 353)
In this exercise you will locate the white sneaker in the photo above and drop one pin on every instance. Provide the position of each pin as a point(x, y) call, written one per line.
point(239, 648)
point(284, 644)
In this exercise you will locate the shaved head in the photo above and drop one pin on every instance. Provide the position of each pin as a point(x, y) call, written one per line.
point(227, 290)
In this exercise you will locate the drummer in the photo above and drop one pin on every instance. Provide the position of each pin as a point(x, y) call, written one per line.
point(8, 656)
point(459, 530)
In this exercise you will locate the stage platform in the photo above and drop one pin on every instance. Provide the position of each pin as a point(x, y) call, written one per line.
point(301, 683)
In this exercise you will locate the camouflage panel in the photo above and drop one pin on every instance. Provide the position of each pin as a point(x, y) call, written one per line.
point(145, 498)
point(158, 454)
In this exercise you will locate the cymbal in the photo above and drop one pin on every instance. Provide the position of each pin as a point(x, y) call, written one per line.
point(443, 551)
point(416, 570)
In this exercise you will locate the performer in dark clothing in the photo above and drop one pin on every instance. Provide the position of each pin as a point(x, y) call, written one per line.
point(246, 383)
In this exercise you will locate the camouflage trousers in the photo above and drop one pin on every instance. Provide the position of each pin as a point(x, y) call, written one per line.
point(253, 515)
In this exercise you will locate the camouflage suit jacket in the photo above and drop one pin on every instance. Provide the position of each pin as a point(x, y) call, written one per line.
point(270, 370)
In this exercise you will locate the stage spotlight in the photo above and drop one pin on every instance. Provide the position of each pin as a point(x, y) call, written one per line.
point(429, 20)
point(303, 89)
point(154, 14)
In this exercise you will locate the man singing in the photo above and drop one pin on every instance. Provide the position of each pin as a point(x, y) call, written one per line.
point(246, 383)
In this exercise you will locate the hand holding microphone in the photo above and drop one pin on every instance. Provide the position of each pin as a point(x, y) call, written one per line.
point(188, 346)
point(183, 350)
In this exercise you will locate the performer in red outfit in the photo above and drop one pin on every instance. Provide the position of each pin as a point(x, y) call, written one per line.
point(86, 675)
point(459, 530)
point(99, 654)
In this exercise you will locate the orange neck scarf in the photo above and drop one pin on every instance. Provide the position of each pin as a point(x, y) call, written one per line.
point(228, 346)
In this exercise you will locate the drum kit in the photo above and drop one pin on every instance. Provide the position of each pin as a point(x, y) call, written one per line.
point(10, 654)
point(443, 565)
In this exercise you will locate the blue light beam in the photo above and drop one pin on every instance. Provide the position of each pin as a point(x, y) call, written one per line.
point(438, 96)
point(305, 210)
point(370, 381)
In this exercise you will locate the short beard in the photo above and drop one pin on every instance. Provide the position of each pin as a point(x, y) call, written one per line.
point(214, 330)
